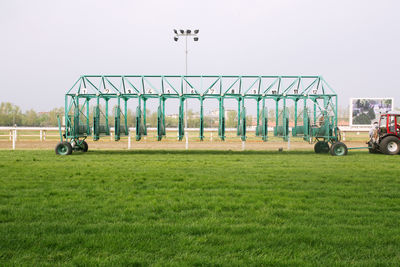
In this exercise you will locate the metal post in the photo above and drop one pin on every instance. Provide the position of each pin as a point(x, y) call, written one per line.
point(238, 115)
point(276, 116)
point(186, 71)
point(107, 124)
point(126, 117)
point(144, 116)
point(315, 111)
point(87, 116)
point(295, 117)
point(258, 117)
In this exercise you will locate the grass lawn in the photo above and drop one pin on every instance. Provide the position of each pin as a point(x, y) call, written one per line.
point(199, 208)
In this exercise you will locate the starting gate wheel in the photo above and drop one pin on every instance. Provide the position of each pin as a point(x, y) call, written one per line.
point(338, 149)
point(390, 145)
point(63, 148)
point(321, 147)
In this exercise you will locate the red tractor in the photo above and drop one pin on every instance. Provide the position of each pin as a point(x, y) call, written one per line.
point(386, 137)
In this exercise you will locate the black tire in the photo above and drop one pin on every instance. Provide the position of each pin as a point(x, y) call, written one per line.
point(84, 146)
point(390, 145)
point(338, 149)
point(63, 148)
point(321, 147)
point(373, 151)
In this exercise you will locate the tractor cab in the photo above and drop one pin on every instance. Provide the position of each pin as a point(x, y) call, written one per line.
point(386, 139)
point(389, 124)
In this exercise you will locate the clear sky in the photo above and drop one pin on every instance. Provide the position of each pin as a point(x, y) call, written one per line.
point(46, 45)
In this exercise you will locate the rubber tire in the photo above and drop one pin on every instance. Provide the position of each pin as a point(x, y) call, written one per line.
point(338, 149)
point(84, 146)
point(373, 151)
point(63, 148)
point(321, 147)
point(385, 143)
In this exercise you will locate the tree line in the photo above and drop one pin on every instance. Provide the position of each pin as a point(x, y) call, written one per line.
point(11, 115)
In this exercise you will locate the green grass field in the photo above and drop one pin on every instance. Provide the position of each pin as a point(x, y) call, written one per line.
point(199, 208)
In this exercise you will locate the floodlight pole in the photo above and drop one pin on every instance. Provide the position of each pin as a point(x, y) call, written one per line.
point(186, 34)
point(186, 103)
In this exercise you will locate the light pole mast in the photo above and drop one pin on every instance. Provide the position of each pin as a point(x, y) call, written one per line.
point(195, 38)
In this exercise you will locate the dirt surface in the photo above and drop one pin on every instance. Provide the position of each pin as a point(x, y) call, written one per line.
point(174, 145)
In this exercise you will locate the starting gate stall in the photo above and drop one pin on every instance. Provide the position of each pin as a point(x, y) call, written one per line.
point(313, 92)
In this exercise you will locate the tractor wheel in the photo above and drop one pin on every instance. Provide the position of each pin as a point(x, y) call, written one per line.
point(63, 148)
point(338, 149)
point(321, 147)
point(390, 145)
point(84, 146)
point(373, 151)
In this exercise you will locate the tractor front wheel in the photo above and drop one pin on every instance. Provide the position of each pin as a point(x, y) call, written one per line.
point(321, 147)
point(390, 145)
point(63, 148)
point(84, 146)
point(372, 147)
point(338, 149)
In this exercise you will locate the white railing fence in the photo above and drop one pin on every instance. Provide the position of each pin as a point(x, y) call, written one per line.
point(14, 133)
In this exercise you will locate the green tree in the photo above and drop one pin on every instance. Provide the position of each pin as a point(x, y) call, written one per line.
point(231, 119)
point(10, 114)
point(30, 118)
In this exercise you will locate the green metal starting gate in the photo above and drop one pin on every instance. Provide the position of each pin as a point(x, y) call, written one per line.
point(316, 120)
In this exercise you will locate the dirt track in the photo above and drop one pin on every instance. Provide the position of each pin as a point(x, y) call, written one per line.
point(174, 145)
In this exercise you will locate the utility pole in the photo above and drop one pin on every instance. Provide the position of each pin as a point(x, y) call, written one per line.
point(195, 38)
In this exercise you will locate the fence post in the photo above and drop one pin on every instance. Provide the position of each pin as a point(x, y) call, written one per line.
point(44, 135)
point(129, 140)
point(41, 135)
point(13, 139)
point(187, 140)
